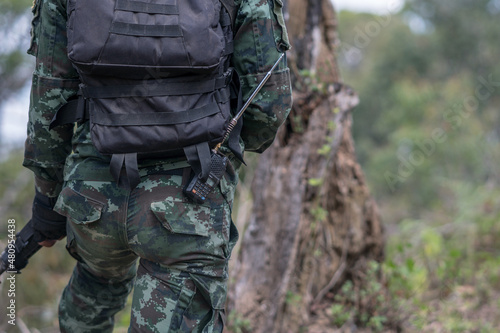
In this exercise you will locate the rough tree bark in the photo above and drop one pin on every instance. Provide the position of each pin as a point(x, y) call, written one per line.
point(313, 223)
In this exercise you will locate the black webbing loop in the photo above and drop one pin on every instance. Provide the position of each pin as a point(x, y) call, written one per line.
point(145, 30)
point(125, 171)
point(115, 166)
point(132, 170)
point(198, 157)
point(144, 7)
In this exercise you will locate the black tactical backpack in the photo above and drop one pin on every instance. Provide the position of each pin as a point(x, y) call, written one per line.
point(156, 79)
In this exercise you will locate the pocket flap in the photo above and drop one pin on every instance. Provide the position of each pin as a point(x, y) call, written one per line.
point(182, 217)
point(77, 207)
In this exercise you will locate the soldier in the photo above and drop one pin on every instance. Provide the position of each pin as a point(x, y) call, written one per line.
point(172, 252)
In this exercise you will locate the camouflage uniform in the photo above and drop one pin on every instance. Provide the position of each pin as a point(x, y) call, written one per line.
point(173, 253)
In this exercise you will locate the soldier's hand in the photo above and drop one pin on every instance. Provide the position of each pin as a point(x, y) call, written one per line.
point(48, 225)
point(50, 243)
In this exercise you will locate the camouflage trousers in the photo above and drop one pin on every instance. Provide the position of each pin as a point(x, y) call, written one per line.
point(173, 254)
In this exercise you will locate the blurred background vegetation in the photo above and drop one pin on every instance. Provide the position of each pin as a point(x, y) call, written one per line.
point(427, 135)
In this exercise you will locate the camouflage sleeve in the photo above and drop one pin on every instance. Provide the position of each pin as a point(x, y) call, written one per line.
point(260, 37)
point(54, 82)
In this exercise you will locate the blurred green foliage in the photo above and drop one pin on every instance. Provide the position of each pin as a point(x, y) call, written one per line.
point(14, 7)
point(427, 134)
point(429, 83)
point(15, 64)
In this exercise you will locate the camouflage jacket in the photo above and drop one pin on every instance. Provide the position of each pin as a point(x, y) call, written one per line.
point(67, 153)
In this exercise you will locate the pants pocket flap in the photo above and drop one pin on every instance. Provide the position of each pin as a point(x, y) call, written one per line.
point(77, 207)
point(182, 217)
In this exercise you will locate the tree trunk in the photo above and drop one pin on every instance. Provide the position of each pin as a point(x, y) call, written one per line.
point(313, 223)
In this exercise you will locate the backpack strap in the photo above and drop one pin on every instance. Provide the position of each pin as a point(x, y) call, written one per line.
point(236, 98)
point(199, 158)
point(125, 171)
point(75, 110)
point(231, 10)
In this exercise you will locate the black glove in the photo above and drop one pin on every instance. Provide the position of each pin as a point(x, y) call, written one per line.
point(48, 224)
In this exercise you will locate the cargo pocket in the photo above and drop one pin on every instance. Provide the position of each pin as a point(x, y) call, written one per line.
point(77, 207)
point(182, 217)
point(179, 306)
point(71, 245)
point(214, 291)
point(163, 296)
point(279, 27)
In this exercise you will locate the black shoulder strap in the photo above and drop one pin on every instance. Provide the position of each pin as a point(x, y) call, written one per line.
point(74, 110)
point(231, 9)
point(199, 158)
